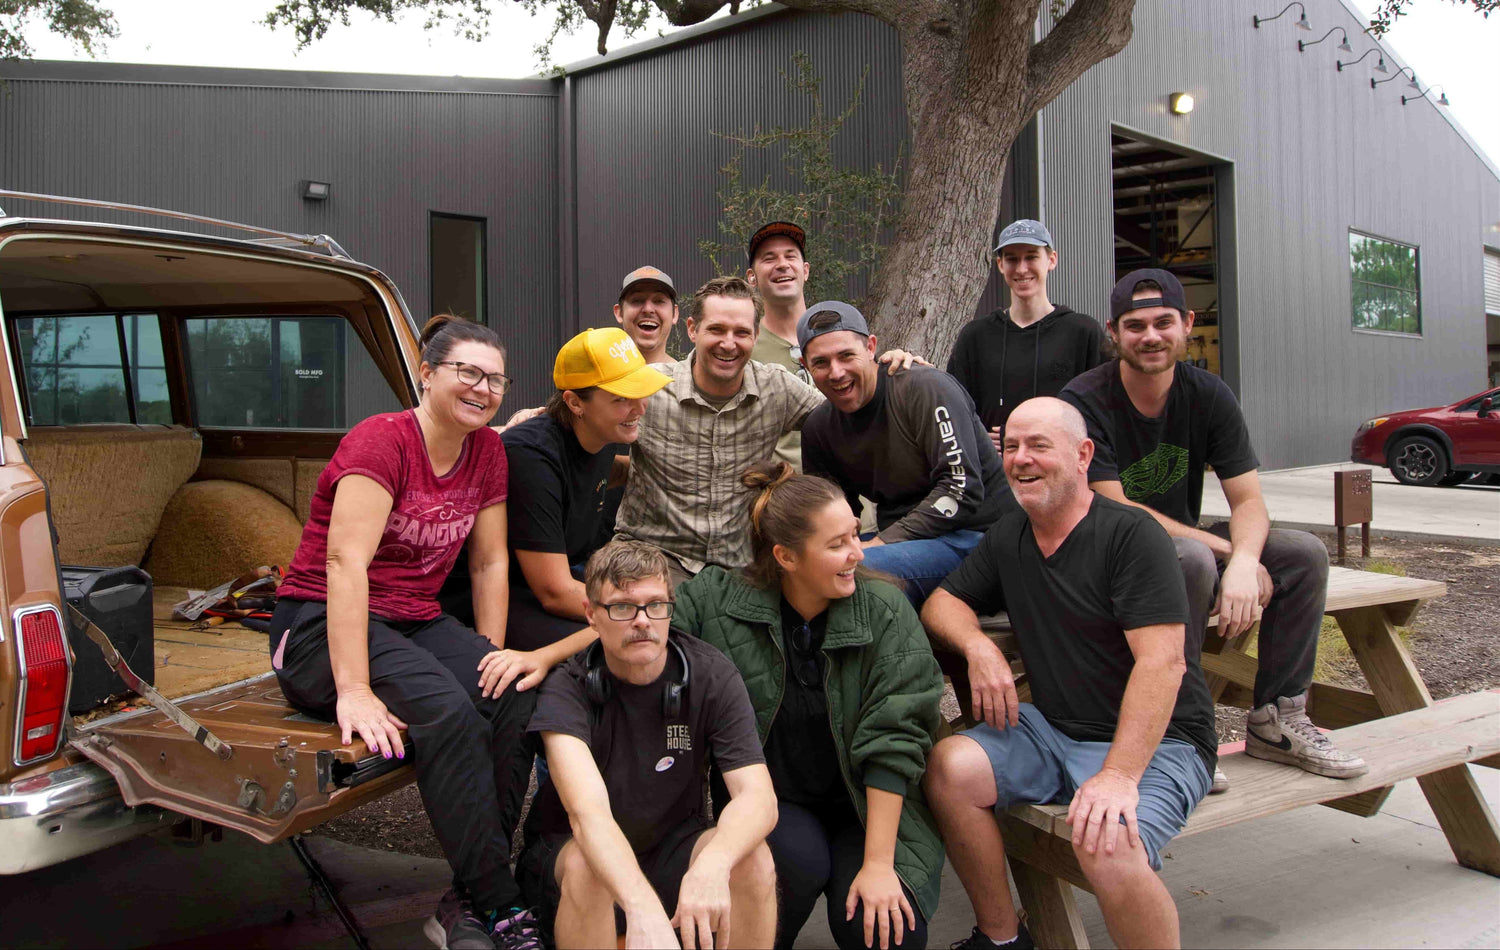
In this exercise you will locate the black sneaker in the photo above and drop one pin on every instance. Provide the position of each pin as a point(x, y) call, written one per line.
point(519, 931)
point(979, 940)
point(457, 926)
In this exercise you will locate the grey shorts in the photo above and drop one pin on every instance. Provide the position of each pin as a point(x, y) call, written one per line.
point(1036, 764)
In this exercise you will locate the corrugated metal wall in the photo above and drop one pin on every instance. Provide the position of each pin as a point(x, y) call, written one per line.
point(1315, 152)
point(173, 139)
point(582, 180)
point(648, 160)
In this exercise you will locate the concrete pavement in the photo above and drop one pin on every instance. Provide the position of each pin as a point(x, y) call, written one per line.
point(1312, 877)
point(1303, 498)
point(1309, 877)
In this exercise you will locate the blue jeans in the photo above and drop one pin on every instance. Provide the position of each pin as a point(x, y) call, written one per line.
point(924, 563)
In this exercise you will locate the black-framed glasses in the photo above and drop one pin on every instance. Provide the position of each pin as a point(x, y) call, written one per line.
point(656, 610)
point(805, 658)
point(470, 375)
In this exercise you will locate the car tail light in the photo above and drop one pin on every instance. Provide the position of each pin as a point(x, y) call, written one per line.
point(42, 653)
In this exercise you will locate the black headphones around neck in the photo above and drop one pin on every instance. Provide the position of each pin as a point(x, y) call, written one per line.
point(598, 681)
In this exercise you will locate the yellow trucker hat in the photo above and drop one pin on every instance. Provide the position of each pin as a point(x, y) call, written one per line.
point(609, 359)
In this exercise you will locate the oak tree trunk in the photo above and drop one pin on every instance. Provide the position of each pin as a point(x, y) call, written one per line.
point(973, 76)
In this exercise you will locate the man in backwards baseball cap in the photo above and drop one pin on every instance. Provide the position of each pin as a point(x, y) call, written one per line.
point(562, 469)
point(1031, 347)
point(647, 310)
point(909, 442)
point(1156, 423)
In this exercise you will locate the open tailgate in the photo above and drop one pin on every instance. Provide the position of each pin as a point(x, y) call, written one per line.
point(286, 772)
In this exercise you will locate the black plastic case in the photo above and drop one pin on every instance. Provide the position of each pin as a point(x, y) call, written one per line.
point(118, 600)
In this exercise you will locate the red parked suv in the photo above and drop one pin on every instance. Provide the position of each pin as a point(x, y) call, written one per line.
point(1440, 446)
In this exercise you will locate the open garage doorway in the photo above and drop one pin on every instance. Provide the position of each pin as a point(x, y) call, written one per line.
point(1174, 210)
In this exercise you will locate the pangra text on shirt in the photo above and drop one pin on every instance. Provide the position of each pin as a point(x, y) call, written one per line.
point(428, 526)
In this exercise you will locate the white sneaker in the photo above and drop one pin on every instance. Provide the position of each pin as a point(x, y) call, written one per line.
point(1281, 732)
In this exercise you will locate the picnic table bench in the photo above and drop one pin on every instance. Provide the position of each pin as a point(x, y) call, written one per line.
point(1394, 726)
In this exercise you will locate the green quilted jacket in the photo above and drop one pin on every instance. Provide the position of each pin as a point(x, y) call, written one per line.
point(883, 687)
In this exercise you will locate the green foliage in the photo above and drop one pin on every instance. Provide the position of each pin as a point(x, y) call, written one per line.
point(1386, 14)
point(83, 22)
point(1383, 285)
point(844, 211)
point(310, 19)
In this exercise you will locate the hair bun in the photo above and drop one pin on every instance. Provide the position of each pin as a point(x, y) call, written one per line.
point(767, 475)
point(435, 325)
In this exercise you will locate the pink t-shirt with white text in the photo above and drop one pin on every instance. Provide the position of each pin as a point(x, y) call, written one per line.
point(430, 516)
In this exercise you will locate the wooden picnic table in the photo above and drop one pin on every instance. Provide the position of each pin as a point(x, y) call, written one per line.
point(1432, 745)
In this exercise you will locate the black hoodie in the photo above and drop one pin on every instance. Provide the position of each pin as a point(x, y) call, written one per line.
point(1003, 365)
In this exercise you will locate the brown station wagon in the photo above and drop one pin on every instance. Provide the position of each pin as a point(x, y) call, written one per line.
point(168, 403)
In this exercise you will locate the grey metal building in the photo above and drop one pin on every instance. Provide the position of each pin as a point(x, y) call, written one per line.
point(1268, 199)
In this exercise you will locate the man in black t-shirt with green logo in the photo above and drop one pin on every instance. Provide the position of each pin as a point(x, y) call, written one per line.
point(1156, 423)
point(630, 727)
point(1120, 723)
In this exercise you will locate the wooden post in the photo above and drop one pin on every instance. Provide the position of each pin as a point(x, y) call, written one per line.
point(1353, 504)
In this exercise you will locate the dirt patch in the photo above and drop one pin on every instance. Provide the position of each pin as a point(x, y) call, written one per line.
point(1454, 640)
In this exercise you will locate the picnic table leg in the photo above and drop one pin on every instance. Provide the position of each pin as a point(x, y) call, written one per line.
point(1050, 911)
point(1455, 798)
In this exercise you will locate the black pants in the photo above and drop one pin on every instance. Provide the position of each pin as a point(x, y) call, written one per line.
point(472, 755)
point(1288, 640)
point(821, 853)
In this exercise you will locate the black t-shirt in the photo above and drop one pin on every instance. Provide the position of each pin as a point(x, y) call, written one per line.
point(1003, 365)
point(557, 493)
point(800, 753)
point(1159, 462)
point(655, 770)
point(1116, 571)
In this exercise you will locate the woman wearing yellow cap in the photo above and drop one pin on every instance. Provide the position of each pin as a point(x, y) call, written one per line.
point(562, 463)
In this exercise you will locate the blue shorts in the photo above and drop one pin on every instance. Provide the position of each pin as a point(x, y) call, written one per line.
point(1036, 764)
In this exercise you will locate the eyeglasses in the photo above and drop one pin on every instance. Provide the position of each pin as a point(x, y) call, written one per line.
point(471, 375)
point(804, 660)
point(656, 610)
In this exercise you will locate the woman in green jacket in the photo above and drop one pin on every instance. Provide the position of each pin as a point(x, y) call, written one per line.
point(846, 693)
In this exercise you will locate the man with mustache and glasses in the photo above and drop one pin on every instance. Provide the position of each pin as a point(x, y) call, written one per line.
point(1156, 424)
point(630, 727)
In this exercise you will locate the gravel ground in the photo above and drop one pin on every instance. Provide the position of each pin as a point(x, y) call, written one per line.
point(1455, 641)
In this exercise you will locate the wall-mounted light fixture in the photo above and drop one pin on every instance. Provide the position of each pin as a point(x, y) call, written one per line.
point(1441, 100)
point(316, 190)
point(1343, 47)
point(1404, 69)
point(1380, 66)
point(1301, 23)
point(1181, 103)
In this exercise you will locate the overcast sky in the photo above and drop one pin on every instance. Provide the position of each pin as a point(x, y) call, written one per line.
point(1443, 42)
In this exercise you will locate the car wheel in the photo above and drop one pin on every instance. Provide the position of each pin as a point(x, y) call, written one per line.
point(1418, 460)
point(1455, 478)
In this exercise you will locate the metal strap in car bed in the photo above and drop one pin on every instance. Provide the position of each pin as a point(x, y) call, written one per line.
point(171, 710)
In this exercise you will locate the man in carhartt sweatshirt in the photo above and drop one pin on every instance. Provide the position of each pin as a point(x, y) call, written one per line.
point(910, 443)
point(1031, 348)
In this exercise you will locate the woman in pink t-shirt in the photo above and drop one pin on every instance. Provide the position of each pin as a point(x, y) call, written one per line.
point(358, 635)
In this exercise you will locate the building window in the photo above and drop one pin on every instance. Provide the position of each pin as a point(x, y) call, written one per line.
point(93, 368)
point(268, 372)
point(1385, 289)
point(457, 264)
